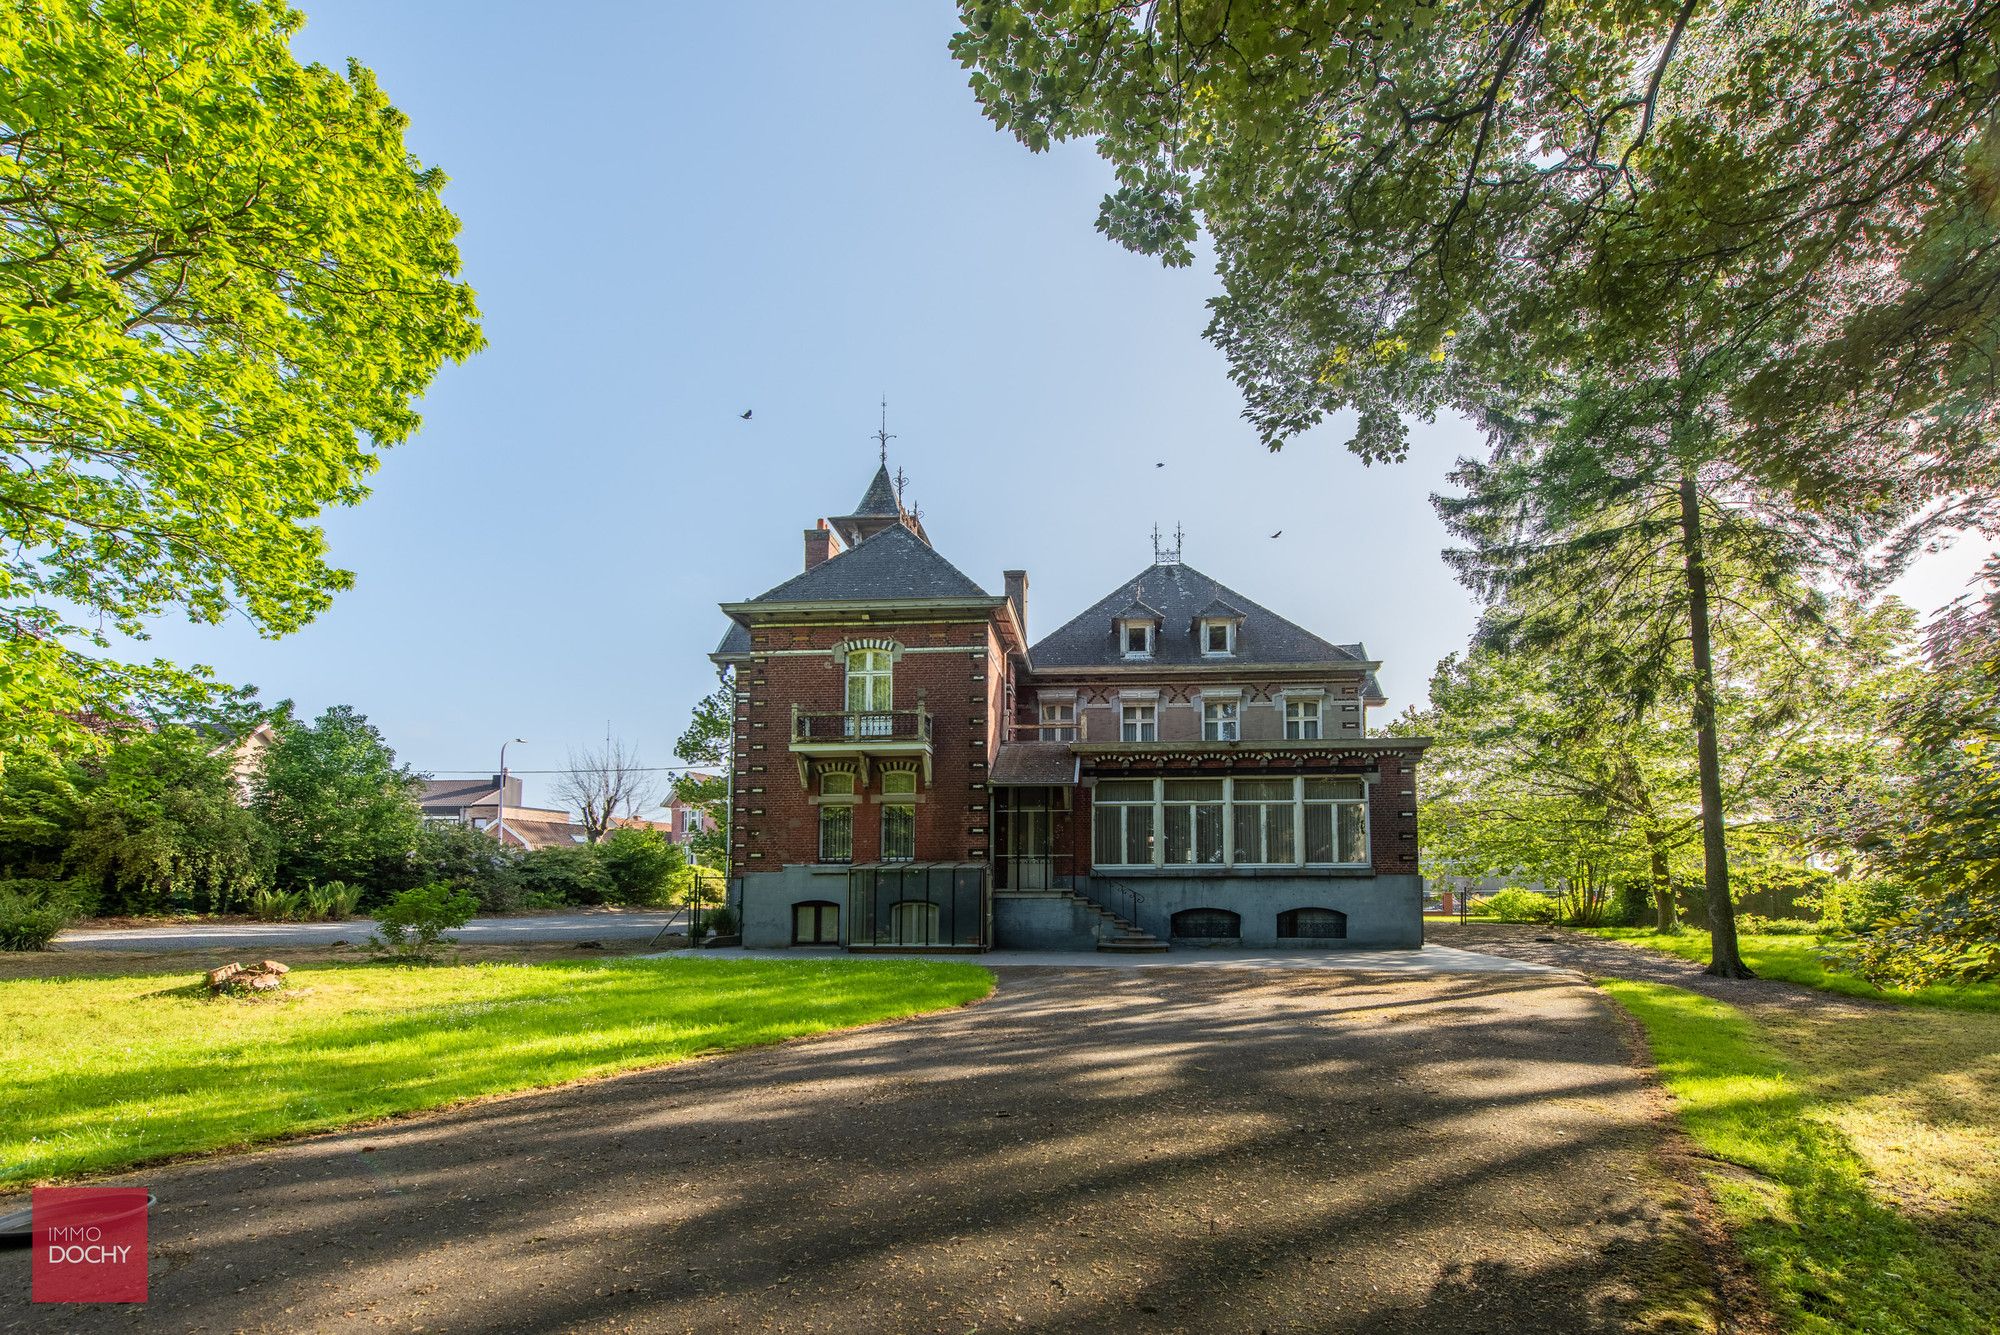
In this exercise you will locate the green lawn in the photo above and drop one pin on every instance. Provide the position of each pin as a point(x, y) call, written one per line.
point(104, 1072)
point(1797, 959)
point(1863, 1178)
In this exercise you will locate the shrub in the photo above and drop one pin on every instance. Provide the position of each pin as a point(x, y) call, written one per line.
point(721, 921)
point(1756, 924)
point(1516, 905)
point(33, 912)
point(563, 876)
point(469, 860)
point(269, 905)
point(1856, 907)
point(639, 864)
point(333, 902)
point(413, 924)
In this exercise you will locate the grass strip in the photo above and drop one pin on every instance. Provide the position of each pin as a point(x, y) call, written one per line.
point(1834, 1258)
point(1800, 959)
point(105, 1072)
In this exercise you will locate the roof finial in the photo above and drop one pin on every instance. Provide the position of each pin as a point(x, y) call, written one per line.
point(883, 436)
point(1164, 555)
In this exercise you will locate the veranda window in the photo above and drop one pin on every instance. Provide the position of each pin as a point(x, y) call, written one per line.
point(1140, 725)
point(1336, 821)
point(1193, 810)
point(870, 689)
point(899, 816)
point(1301, 720)
point(1218, 721)
point(1054, 717)
point(1263, 817)
point(1122, 823)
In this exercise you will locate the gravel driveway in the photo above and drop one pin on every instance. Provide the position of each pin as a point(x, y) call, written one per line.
point(1149, 1150)
point(594, 925)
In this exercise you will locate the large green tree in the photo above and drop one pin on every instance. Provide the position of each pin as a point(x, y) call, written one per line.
point(224, 281)
point(338, 804)
point(1416, 205)
point(159, 825)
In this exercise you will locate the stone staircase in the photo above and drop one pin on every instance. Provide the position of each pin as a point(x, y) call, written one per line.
point(1113, 933)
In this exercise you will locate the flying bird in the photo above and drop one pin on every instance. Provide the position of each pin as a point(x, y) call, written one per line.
point(1279, 533)
point(746, 414)
point(1159, 465)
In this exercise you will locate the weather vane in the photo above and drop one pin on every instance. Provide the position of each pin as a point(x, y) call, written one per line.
point(883, 436)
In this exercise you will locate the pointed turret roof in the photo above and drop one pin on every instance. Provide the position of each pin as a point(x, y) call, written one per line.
point(880, 498)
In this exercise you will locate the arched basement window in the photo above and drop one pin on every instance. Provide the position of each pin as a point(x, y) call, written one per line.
point(1207, 925)
point(1313, 924)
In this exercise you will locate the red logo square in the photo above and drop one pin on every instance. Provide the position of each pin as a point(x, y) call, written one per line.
point(90, 1244)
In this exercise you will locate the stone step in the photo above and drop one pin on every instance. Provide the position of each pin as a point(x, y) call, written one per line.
point(1132, 945)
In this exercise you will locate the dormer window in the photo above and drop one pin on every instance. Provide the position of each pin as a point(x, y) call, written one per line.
point(1218, 638)
point(1138, 639)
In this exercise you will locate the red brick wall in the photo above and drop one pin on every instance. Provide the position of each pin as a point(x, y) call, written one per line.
point(777, 822)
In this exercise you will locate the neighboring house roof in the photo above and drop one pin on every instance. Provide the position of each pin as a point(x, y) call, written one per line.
point(1181, 594)
point(1032, 765)
point(535, 834)
point(452, 794)
point(894, 563)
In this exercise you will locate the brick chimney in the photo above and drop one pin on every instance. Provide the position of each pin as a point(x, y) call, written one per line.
point(1017, 594)
point(819, 544)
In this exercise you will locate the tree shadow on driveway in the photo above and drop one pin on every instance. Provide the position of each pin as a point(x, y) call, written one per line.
point(1168, 1149)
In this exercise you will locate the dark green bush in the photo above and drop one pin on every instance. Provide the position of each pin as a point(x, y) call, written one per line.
point(563, 876)
point(469, 860)
point(640, 865)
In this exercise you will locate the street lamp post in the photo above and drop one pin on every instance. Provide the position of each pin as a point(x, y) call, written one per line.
point(500, 798)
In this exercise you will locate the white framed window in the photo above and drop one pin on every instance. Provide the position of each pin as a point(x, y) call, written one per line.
point(1218, 721)
point(899, 815)
point(871, 689)
point(1140, 723)
point(1122, 823)
point(1138, 639)
point(1336, 821)
point(1218, 639)
point(1302, 718)
point(1058, 721)
point(1262, 812)
point(1193, 811)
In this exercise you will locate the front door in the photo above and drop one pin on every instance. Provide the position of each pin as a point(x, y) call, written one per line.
point(1030, 850)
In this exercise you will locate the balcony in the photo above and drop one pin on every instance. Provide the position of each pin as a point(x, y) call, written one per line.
point(865, 735)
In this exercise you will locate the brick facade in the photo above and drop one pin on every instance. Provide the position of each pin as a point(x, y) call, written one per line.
point(959, 658)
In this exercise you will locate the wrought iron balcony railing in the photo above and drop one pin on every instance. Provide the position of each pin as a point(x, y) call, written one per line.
point(862, 725)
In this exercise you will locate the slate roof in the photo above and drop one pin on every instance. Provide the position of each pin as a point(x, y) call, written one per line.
point(880, 498)
point(1181, 593)
point(894, 563)
point(735, 640)
point(1032, 765)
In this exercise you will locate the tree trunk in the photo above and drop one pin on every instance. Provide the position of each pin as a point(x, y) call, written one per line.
point(1724, 959)
point(1665, 912)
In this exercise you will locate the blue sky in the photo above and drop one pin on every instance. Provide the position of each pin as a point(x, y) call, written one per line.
point(674, 213)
